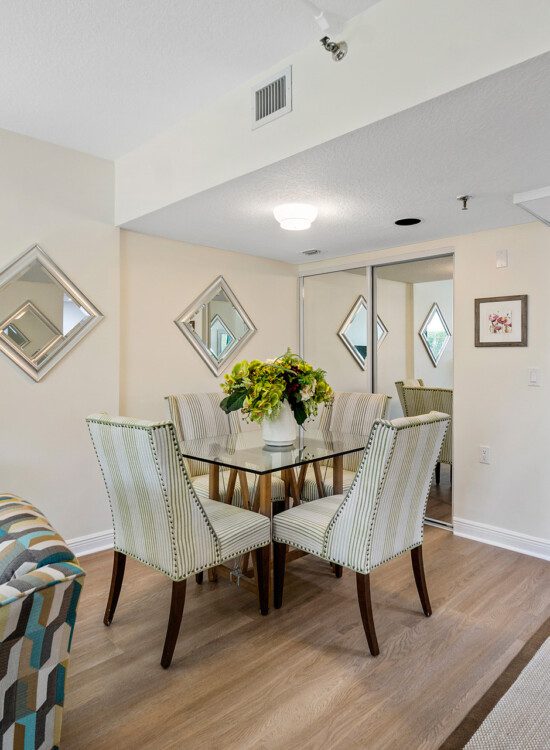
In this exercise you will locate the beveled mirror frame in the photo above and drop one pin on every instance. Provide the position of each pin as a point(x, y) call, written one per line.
point(7, 274)
point(434, 309)
point(360, 302)
point(217, 366)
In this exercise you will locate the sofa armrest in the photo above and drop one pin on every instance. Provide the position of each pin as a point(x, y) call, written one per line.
point(40, 578)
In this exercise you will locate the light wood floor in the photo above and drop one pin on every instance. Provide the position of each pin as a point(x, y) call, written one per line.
point(301, 677)
point(440, 499)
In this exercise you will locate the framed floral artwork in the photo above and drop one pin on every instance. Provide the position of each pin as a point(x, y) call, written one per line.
point(501, 321)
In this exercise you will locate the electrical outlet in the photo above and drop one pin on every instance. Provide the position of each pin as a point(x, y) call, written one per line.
point(484, 454)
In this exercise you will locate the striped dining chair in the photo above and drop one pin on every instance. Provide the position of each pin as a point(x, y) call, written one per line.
point(422, 400)
point(355, 414)
point(159, 520)
point(199, 415)
point(411, 383)
point(380, 517)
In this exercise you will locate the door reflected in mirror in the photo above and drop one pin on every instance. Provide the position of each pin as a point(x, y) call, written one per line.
point(41, 312)
point(217, 325)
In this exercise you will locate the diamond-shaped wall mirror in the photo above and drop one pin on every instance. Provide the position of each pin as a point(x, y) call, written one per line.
point(216, 325)
point(435, 333)
point(353, 331)
point(42, 313)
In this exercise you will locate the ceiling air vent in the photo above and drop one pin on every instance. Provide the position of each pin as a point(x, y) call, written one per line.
point(272, 98)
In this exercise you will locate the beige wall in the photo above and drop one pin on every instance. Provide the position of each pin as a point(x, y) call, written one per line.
point(159, 279)
point(493, 404)
point(62, 200)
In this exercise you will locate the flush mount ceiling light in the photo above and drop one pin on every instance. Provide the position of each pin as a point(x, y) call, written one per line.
point(407, 222)
point(295, 216)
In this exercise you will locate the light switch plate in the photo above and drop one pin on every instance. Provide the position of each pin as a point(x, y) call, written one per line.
point(534, 377)
point(502, 258)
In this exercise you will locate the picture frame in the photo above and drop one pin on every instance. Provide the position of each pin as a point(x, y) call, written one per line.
point(501, 321)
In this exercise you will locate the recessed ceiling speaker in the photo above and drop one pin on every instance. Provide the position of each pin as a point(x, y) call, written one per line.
point(407, 222)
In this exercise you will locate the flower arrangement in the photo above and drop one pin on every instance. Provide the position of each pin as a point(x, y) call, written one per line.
point(261, 388)
point(498, 323)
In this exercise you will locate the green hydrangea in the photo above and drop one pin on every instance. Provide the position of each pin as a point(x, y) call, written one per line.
point(260, 388)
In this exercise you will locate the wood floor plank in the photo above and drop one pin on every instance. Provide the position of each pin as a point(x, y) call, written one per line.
point(301, 677)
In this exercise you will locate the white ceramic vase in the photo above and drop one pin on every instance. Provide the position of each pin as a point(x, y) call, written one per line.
point(282, 430)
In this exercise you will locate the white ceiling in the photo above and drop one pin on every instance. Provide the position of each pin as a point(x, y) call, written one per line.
point(489, 138)
point(103, 76)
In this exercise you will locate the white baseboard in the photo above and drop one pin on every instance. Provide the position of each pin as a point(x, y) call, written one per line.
point(86, 545)
point(482, 532)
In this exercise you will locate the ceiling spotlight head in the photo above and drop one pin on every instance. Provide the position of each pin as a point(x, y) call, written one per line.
point(464, 199)
point(295, 216)
point(338, 49)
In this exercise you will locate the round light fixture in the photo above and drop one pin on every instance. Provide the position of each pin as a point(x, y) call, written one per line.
point(407, 222)
point(295, 216)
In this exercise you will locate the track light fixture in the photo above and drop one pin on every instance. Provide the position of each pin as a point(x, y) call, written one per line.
point(464, 199)
point(338, 50)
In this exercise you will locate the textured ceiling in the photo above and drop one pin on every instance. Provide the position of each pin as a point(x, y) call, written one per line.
point(489, 138)
point(103, 76)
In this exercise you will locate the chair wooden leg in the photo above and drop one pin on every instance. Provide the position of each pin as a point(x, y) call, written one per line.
point(199, 577)
point(438, 473)
point(420, 580)
point(365, 606)
point(337, 570)
point(262, 565)
point(119, 564)
point(174, 622)
point(279, 566)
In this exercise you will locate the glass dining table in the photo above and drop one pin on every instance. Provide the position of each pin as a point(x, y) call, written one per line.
point(245, 453)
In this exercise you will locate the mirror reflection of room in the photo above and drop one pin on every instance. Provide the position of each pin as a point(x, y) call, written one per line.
point(218, 324)
point(36, 313)
point(415, 300)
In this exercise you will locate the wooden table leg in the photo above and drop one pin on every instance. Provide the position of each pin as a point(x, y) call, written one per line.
point(294, 488)
point(231, 486)
point(338, 475)
point(245, 495)
point(302, 478)
point(265, 494)
point(213, 481)
point(213, 494)
point(318, 479)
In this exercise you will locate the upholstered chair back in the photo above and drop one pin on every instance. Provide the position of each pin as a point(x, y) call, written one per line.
point(199, 415)
point(157, 517)
point(412, 383)
point(423, 400)
point(382, 514)
point(354, 413)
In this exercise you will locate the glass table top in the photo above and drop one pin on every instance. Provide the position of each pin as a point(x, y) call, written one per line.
point(248, 452)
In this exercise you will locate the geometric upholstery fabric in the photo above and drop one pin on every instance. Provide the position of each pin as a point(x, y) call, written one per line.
point(158, 518)
point(423, 400)
point(411, 383)
point(353, 414)
point(27, 541)
point(382, 514)
point(37, 618)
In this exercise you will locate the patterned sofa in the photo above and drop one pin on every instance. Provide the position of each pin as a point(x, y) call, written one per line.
point(40, 584)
